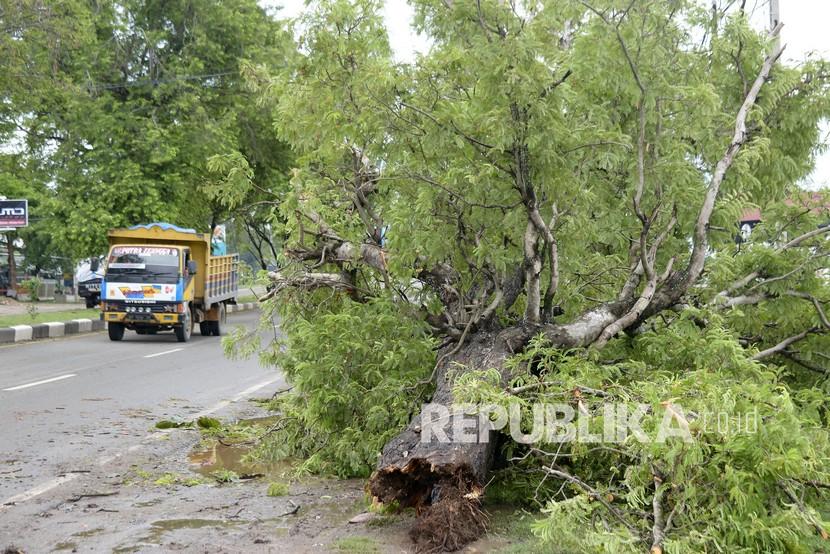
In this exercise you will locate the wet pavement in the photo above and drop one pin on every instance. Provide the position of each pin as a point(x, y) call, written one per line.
point(83, 467)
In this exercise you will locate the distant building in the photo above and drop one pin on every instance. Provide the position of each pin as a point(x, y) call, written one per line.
point(815, 202)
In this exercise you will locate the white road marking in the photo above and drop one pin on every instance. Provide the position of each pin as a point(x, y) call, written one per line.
point(49, 485)
point(38, 490)
point(36, 383)
point(163, 353)
point(250, 390)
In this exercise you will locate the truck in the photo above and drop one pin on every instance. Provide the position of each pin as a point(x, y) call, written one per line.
point(160, 277)
point(88, 276)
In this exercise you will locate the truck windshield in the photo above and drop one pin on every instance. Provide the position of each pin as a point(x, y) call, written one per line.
point(143, 264)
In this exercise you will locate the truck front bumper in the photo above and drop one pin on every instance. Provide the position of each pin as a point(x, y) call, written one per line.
point(142, 318)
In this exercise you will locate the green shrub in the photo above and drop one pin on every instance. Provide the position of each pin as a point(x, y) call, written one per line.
point(32, 287)
point(352, 367)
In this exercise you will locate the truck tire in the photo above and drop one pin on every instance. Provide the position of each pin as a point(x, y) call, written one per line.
point(218, 324)
point(115, 331)
point(205, 328)
point(184, 330)
point(91, 301)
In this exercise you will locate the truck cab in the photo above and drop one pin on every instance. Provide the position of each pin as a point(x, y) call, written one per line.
point(161, 277)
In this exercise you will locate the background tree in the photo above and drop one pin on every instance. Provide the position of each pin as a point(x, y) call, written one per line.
point(121, 104)
point(551, 195)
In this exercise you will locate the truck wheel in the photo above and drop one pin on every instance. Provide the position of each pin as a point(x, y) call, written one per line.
point(184, 330)
point(91, 301)
point(115, 331)
point(205, 328)
point(223, 318)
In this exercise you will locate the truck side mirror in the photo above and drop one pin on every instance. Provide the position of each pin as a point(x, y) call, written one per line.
point(94, 264)
point(191, 267)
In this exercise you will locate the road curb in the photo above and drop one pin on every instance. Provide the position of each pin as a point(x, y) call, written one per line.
point(53, 329)
point(241, 307)
point(49, 330)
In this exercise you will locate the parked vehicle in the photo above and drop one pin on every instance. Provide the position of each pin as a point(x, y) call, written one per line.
point(161, 277)
point(88, 275)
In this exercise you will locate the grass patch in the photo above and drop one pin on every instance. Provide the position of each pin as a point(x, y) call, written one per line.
point(277, 489)
point(142, 474)
point(171, 479)
point(225, 476)
point(515, 526)
point(357, 545)
point(167, 424)
point(43, 317)
point(381, 521)
point(167, 480)
point(208, 423)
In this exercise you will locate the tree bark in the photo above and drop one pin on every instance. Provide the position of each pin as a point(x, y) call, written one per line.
point(409, 467)
point(11, 236)
point(443, 479)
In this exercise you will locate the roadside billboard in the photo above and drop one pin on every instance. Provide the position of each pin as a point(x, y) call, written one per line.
point(14, 214)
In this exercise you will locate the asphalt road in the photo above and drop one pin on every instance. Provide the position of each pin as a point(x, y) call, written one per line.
point(70, 404)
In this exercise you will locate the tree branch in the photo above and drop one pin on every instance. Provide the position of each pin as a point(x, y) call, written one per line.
point(701, 239)
point(596, 495)
point(781, 346)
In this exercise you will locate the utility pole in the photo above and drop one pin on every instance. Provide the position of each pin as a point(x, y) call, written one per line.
point(774, 20)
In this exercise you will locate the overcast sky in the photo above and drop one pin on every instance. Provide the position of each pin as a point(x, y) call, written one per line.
point(806, 32)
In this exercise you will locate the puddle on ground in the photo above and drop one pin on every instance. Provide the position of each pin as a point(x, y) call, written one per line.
point(89, 532)
point(265, 421)
point(147, 503)
point(126, 549)
point(233, 458)
point(157, 534)
point(158, 528)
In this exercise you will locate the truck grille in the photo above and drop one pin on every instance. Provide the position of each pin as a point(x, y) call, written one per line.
point(135, 307)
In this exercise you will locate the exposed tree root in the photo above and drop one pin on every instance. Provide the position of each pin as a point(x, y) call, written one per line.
point(453, 519)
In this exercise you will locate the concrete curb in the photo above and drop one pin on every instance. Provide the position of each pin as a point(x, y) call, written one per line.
point(241, 307)
point(53, 329)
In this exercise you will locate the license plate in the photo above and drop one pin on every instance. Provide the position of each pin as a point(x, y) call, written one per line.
point(140, 317)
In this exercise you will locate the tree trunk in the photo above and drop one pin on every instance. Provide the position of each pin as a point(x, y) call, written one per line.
point(443, 479)
point(10, 238)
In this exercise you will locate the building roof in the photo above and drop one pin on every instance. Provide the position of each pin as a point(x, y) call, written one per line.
point(815, 202)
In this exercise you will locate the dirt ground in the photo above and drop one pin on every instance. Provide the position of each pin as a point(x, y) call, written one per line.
point(163, 496)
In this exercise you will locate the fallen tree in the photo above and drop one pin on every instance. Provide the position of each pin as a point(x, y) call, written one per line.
point(540, 202)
